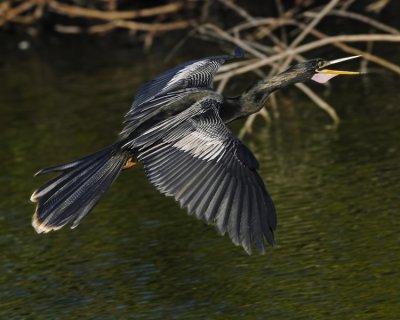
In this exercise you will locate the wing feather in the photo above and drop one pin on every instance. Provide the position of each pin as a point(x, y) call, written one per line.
point(197, 160)
point(175, 84)
point(235, 214)
point(192, 74)
point(225, 206)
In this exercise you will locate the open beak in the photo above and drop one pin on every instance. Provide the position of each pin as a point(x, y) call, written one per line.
point(322, 75)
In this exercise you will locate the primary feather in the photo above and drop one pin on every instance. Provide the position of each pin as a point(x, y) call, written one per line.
point(194, 158)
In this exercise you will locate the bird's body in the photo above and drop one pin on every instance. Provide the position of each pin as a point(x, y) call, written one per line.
point(176, 128)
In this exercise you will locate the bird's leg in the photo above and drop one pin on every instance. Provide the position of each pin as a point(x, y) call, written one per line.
point(129, 163)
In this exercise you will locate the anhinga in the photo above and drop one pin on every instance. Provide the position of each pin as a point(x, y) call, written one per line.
point(176, 129)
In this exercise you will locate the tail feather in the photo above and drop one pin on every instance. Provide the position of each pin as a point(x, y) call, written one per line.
point(73, 164)
point(79, 187)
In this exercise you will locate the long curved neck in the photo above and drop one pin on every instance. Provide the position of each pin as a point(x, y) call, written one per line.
point(255, 97)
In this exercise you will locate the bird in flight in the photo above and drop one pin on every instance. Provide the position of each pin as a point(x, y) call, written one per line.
point(176, 129)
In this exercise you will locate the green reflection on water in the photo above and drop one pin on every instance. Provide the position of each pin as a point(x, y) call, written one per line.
point(137, 255)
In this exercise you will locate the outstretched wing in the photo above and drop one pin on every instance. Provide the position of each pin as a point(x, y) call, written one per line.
point(176, 82)
point(198, 161)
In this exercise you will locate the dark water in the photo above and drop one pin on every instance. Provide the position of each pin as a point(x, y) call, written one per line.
point(138, 256)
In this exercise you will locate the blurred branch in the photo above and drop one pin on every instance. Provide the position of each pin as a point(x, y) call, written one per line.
point(273, 42)
point(356, 16)
point(8, 13)
point(378, 5)
point(76, 11)
point(279, 48)
point(11, 11)
point(310, 46)
point(320, 102)
point(139, 26)
point(318, 17)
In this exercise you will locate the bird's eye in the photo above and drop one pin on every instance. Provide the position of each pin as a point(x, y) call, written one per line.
point(320, 64)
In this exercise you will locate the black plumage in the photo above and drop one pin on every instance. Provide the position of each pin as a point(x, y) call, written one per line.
point(176, 128)
point(195, 158)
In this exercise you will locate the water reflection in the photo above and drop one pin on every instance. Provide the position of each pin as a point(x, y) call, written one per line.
point(139, 256)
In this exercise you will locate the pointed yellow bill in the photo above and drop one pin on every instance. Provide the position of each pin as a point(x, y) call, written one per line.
point(324, 75)
point(336, 72)
point(342, 60)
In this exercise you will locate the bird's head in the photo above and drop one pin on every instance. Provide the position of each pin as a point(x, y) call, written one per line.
point(253, 99)
point(315, 70)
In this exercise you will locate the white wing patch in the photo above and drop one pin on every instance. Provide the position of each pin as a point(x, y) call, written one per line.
point(194, 158)
point(201, 146)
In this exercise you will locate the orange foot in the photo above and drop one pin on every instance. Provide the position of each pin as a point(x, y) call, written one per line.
point(129, 164)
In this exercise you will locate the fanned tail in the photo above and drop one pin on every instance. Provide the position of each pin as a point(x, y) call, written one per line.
point(81, 184)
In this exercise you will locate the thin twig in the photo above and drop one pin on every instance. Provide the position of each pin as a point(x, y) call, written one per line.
point(226, 36)
point(378, 6)
point(359, 17)
point(314, 22)
point(239, 10)
point(313, 45)
point(281, 13)
point(248, 125)
point(321, 103)
point(366, 55)
point(139, 26)
point(77, 11)
point(222, 84)
point(11, 13)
